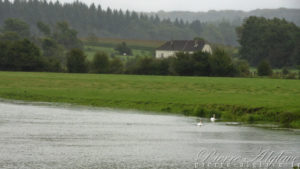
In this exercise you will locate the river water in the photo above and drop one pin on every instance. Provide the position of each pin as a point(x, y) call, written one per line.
point(48, 136)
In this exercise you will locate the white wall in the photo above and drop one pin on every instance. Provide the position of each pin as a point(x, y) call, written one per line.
point(167, 54)
point(164, 53)
point(207, 49)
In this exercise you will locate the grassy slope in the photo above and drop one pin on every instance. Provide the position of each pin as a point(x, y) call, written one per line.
point(139, 47)
point(130, 42)
point(91, 50)
point(156, 93)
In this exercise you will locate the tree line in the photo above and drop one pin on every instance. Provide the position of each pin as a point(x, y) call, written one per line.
point(21, 51)
point(233, 16)
point(94, 20)
point(218, 64)
point(184, 64)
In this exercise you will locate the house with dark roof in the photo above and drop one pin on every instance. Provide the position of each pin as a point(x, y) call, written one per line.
point(170, 48)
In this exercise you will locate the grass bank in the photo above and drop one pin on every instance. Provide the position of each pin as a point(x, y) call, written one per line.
point(251, 100)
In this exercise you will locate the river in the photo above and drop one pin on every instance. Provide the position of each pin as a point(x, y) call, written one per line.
point(64, 136)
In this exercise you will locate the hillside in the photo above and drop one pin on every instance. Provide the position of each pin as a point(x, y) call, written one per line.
point(236, 17)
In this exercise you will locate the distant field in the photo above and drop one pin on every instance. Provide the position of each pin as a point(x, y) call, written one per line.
point(140, 48)
point(91, 50)
point(261, 98)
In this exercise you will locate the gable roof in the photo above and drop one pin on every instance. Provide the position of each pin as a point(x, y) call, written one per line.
point(183, 45)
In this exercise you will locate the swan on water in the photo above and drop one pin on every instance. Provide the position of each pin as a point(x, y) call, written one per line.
point(213, 119)
point(200, 123)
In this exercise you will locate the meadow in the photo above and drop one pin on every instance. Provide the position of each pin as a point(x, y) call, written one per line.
point(250, 100)
point(140, 48)
point(90, 51)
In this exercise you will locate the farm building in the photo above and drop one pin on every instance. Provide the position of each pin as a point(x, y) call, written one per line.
point(170, 48)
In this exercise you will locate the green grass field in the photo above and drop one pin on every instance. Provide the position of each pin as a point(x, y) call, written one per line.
point(240, 99)
point(140, 48)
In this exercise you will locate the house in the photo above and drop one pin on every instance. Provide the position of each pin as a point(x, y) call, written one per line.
point(170, 48)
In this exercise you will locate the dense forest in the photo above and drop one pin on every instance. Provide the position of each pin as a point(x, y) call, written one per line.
point(233, 16)
point(214, 26)
point(93, 20)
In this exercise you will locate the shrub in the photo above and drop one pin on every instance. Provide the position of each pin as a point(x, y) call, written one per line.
point(116, 66)
point(199, 111)
point(291, 76)
point(248, 118)
point(287, 118)
point(76, 61)
point(243, 68)
point(285, 71)
point(100, 63)
point(221, 64)
point(264, 69)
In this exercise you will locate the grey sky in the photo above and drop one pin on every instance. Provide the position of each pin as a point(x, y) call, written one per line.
point(193, 5)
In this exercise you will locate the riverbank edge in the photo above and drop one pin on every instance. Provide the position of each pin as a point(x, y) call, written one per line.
point(253, 116)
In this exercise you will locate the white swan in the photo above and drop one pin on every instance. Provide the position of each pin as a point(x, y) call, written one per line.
point(213, 119)
point(200, 123)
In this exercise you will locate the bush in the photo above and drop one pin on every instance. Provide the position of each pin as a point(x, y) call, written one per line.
point(21, 55)
point(285, 71)
point(264, 69)
point(76, 61)
point(183, 64)
point(116, 66)
point(221, 64)
point(243, 68)
point(100, 63)
point(199, 111)
point(287, 118)
point(291, 76)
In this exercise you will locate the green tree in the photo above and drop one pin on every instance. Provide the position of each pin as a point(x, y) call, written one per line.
point(100, 63)
point(221, 64)
point(271, 39)
point(4, 57)
point(21, 55)
point(44, 28)
point(243, 68)
point(66, 36)
point(116, 66)
point(201, 64)
point(264, 69)
point(18, 26)
point(183, 64)
point(76, 61)
point(145, 66)
point(52, 49)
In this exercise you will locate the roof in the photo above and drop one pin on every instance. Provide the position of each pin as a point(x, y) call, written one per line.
point(183, 45)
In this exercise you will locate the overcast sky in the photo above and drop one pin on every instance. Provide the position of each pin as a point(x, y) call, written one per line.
point(192, 5)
